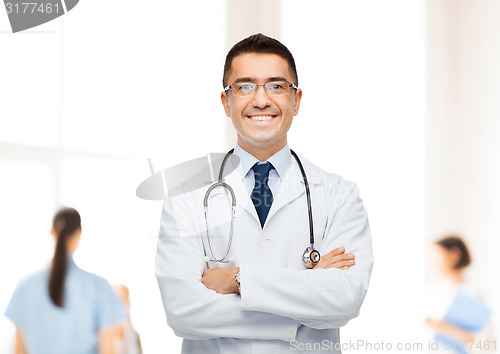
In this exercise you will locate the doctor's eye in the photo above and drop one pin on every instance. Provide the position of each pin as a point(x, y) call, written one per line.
point(244, 88)
point(277, 87)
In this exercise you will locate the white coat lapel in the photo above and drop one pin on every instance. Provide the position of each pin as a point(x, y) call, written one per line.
point(242, 198)
point(291, 188)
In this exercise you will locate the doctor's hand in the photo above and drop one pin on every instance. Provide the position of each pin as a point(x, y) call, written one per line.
point(336, 259)
point(221, 280)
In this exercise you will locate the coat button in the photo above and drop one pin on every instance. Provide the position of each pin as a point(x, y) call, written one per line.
point(245, 300)
point(291, 333)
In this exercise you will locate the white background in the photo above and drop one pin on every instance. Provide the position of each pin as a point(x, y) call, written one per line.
point(393, 99)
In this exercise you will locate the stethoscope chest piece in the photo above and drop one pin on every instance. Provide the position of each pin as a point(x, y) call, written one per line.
point(310, 257)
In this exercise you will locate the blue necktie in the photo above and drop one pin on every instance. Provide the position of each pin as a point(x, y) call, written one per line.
point(261, 195)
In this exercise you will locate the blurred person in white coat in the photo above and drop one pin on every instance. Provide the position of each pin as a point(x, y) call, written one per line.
point(263, 299)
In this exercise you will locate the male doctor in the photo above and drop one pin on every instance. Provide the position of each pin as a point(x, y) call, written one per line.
point(265, 300)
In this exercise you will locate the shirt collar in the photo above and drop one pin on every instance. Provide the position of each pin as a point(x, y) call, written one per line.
point(71, 261)
point(281, 161)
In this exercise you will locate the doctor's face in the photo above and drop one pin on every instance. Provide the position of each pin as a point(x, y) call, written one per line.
point(261, 120)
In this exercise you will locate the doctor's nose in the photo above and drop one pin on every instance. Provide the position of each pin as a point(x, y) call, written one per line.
point(261, 98)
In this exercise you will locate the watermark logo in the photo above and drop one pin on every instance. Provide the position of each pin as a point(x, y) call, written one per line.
point(24, 14)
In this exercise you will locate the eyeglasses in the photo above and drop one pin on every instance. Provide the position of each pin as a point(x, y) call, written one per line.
point(272, 88)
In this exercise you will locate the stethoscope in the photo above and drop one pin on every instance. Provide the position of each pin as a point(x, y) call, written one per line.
point(310, 257)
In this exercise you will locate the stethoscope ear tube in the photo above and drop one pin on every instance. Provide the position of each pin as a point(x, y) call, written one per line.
point(222, 184)
point(215, 185)
point(313, 256)
point(308, 196)
point(233, 213)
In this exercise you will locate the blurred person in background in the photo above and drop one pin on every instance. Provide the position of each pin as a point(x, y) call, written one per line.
point(61, 308)
point(129, 341)
point(460, 318)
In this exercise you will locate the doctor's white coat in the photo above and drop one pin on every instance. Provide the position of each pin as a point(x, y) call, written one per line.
point(283, 307)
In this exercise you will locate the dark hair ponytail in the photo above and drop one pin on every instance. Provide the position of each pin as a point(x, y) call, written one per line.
point(66, 222)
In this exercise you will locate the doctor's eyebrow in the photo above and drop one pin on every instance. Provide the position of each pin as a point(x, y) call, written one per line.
point(276, 78)
point(244, 79)
point(253, 79)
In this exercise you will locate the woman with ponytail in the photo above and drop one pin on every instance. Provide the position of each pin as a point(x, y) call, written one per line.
point(63, 309)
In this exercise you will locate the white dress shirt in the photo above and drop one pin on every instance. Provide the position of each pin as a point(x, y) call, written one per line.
point(281, 162)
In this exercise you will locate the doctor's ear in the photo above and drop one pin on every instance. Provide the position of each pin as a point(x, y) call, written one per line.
point(225, 103)
point(296, 104)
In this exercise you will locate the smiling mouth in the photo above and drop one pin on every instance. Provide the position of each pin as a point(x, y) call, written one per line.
point(261, 117)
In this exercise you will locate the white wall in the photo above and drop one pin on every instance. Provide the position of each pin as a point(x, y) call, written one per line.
point(84, 100)
point(463, 134)
point(361, 66)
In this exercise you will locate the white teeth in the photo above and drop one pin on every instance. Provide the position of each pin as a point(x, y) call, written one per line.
point(261, 117)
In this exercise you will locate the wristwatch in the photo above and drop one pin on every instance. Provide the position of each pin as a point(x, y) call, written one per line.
point(237, 277)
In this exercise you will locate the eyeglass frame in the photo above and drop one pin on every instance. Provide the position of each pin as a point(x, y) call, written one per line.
point(229, 87)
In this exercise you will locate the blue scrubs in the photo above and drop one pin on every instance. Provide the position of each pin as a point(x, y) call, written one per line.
point(89, 306)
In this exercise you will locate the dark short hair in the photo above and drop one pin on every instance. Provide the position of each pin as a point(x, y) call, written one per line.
point(455, 243)
point(259, 43)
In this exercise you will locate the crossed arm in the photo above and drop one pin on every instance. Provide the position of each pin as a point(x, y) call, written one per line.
point(265, 311)
point(223, 281)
